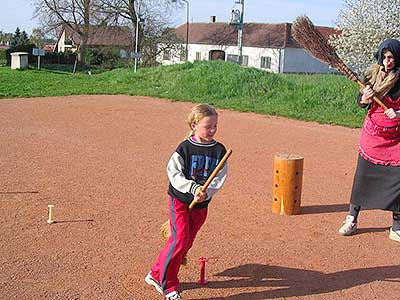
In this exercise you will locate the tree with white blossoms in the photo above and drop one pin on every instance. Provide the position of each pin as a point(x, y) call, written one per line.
point(364, 25)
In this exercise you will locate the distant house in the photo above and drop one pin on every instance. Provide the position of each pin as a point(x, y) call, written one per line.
point(48, 47)
point(265, 46)
point(5, 40)
point(99, 36)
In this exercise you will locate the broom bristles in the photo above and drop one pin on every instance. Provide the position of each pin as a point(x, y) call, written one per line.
point(314, 43)
point(308, 37)
point(165, 230)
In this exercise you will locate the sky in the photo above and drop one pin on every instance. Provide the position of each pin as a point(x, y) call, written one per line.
point(19, 13)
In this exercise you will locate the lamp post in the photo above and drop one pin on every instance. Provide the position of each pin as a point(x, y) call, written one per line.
point(187, 29)
point(237, 21)
point(136, 40)
point(240, 32)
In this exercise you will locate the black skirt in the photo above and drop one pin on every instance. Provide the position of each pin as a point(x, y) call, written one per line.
point(376, 186)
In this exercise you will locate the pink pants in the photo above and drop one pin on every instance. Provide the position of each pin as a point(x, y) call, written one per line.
point(184, 226)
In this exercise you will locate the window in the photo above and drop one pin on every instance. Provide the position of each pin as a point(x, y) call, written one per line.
point(123, 53)
point(265, 62)
point(182, 55)
point(68, 41)
point(198, 55)
point(167, 54)
point(245, 60)
point(181, 51)
point(233, 58)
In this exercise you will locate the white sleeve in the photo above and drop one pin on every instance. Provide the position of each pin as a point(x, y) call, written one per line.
point(175, 168)
point(218, 181)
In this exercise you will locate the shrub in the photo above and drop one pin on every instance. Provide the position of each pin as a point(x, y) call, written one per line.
point(107, 57)
point(60, 58)
point(3, 58)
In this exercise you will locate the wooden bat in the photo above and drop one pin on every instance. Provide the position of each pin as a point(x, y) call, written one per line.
point(164, 229)
point(212, 176)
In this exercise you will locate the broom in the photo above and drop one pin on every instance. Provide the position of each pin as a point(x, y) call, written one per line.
point(314, 43)
point(165, 227)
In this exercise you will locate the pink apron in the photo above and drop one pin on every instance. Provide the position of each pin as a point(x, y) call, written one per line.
point(380, 136)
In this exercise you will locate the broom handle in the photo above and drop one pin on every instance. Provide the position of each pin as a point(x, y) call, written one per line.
point(212, 176)
point(376, 99)
point(353, 77)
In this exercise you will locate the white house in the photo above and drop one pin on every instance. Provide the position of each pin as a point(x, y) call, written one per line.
point(98, 36)
point(265, 46)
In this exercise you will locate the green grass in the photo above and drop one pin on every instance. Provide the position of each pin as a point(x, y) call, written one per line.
point(328, 99)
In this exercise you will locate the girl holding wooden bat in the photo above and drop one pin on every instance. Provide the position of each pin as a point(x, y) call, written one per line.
point(188, 169)
point(377, 178)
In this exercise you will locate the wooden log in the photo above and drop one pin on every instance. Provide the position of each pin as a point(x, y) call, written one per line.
point(287, 183)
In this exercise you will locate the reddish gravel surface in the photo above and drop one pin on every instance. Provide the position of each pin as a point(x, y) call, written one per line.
point(101, 161)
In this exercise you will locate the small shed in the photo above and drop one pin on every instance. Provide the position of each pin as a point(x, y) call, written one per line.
point(19, 60)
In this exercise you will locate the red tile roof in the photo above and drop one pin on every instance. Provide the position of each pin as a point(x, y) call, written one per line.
point(48, 48)
point(261, 35)
point(104, 36)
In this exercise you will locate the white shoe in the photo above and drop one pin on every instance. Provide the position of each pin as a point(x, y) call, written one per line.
point(174, 295)
point(348, 227)
point(394, 235)
point(151, 281)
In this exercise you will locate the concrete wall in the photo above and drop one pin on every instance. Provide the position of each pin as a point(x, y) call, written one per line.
point(19, 60)
point(289, 60)
point(297, 60)
point(254, 55)
point(61, 43)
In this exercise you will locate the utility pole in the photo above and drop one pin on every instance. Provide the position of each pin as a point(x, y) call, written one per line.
point(187, 29)
point(137, 54)
point(237, 21)
point(240, 32)
point(136, 40)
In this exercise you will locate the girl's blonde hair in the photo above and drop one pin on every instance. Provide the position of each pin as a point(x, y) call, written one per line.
point(199, 112)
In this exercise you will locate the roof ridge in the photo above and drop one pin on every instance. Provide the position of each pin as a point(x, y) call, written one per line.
point(260, 35)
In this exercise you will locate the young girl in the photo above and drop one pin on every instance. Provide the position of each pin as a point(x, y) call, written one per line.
point(188, 168)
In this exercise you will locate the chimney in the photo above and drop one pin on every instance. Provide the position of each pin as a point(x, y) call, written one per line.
point(213, 19)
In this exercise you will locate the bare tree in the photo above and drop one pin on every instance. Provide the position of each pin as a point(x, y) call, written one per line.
point(153, 18)
point(76, 15)
point(158, 41)
point(149, 18)
point(37, 37)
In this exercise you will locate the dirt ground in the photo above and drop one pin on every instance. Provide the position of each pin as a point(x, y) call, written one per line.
point(101, 161)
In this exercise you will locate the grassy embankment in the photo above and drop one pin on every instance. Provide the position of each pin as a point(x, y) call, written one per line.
point(326, 99)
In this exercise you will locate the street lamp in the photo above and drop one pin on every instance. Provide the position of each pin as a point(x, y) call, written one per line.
point(187, 27)
point(240, 32)
point(237, 20)
point(137, 39)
